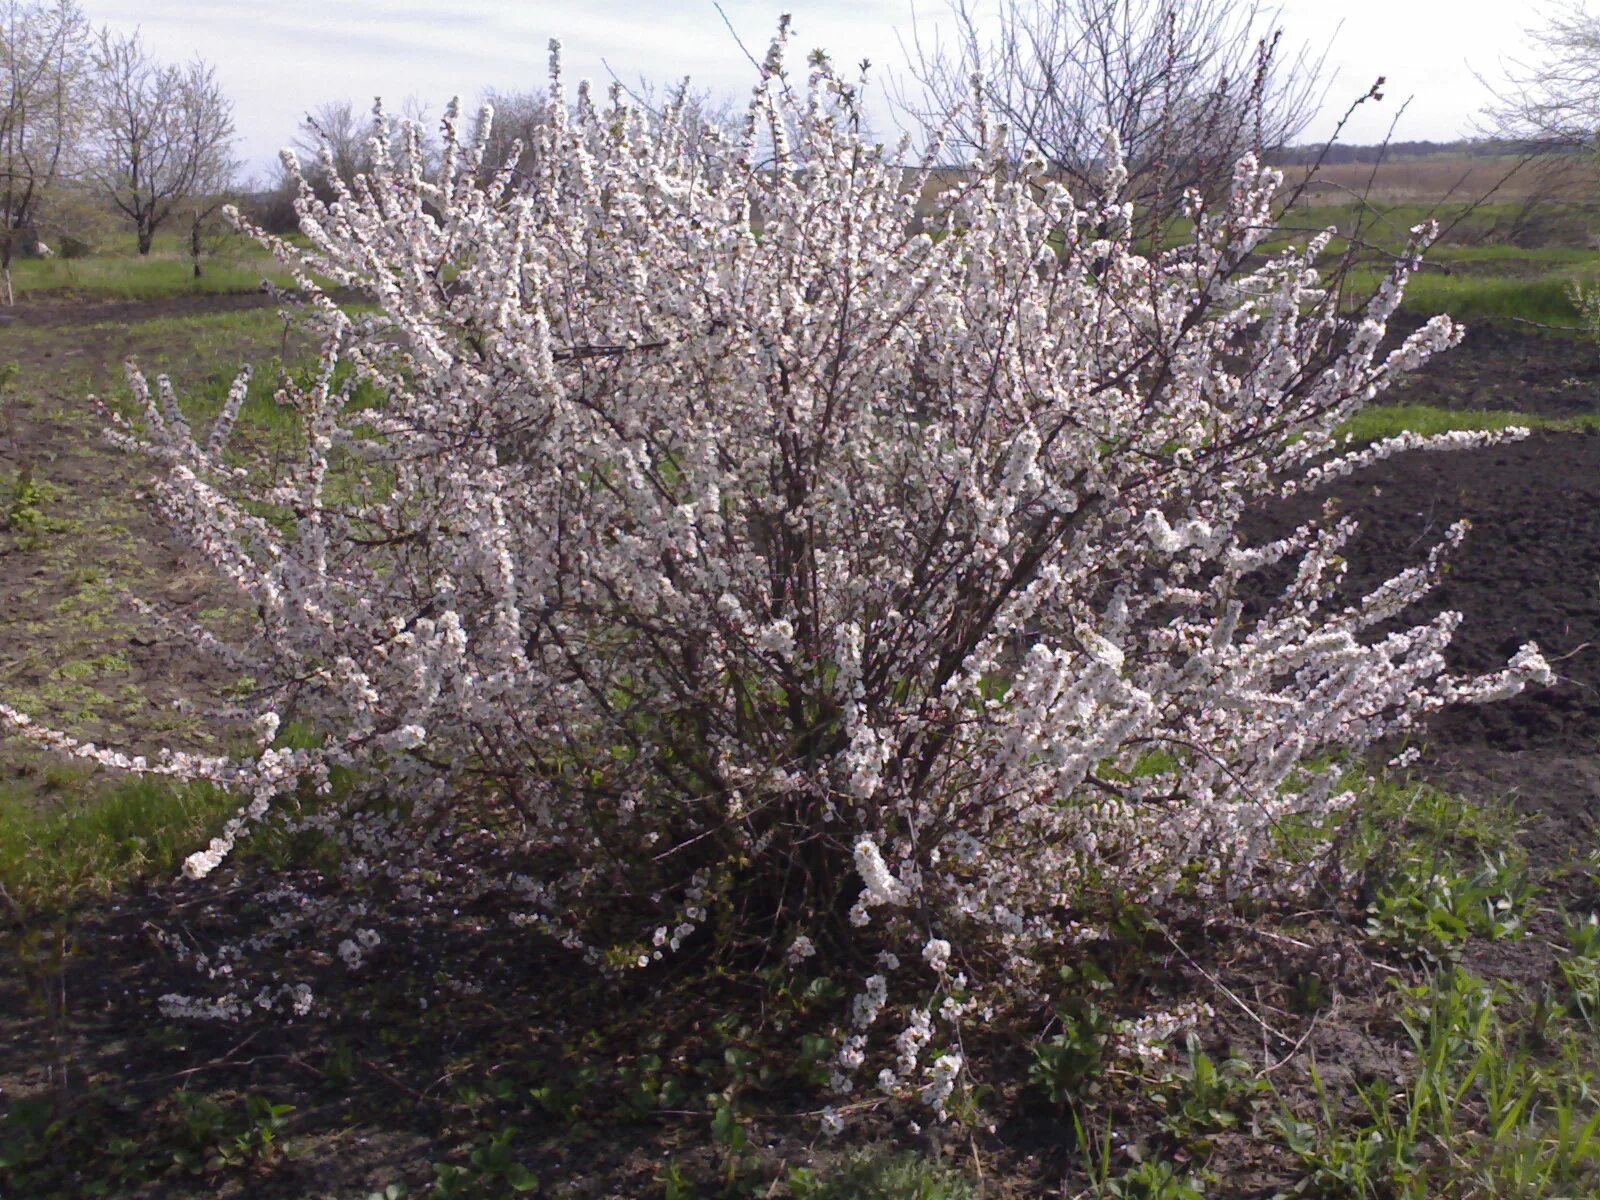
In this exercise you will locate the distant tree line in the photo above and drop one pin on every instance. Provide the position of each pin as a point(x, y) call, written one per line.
point(1299, 156)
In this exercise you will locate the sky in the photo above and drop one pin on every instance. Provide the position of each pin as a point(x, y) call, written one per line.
point(280, 59)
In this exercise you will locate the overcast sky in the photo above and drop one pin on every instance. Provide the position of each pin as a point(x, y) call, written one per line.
point(280, 58)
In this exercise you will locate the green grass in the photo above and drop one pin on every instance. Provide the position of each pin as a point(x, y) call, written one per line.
point(1484, 276)
point(130, 279)
point(1505, 254)
point(1387, 420)
point(103, 836)
point(120, 274)
point(1387, 227)
point(1487, 1111)
point(1543, 299)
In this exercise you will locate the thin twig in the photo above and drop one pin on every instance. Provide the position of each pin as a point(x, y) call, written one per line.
point(1225, 989)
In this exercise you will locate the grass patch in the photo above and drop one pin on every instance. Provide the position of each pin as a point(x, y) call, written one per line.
point(1507, 255)
point(1388, 420)
point(162, 274)
point(1484, 1113)
point(102, 837)
point(1544, 300)
point(238, 265)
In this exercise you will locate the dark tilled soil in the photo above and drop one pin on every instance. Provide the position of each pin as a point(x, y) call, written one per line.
point(68, 309)
point(1528, 571)
point(1506, 366)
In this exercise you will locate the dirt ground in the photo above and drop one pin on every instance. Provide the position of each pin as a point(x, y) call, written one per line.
point(74, 651)
point(1530, 570)
point(1504, 366)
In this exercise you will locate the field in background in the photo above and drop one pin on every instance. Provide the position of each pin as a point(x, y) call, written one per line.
point(1504, 179)
point(230, 264)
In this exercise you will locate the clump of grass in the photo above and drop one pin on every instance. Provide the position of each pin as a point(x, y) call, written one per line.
point(1481, 1115)
point(1389, 420)
point(117, 273)
point(105, 835)
point(140, 279)
point(879, 1175)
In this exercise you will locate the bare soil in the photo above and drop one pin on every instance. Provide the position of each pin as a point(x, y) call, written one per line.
point(1528, 571)
point(75, 651)
point(1506, 366)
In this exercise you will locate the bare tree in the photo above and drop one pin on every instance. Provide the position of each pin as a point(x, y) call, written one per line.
point(44, 74)
point(518, 117)
point(1553, 103)
point(1185, 85)
point(166, 133)
point(710, 123)
point(206, 228)
point(333, 137)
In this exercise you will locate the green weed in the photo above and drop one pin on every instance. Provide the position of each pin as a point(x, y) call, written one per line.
point(1580, 969)
point(1067, 1065)
point(1477, 1117)
point(879, 1175)
point(211, 1137)
point(491, 1172)
point(1210, 1097)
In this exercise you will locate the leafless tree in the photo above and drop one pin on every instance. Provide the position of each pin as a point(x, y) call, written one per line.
point(336, 139)
point(166, 133)
point(517, 117)
point(44, 76)
point(206, 228)
point(1185, 85)
point(712, 122)
point(333, 132)
point(1553, 103)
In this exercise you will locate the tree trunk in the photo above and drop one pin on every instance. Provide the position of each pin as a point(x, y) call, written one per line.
point(194, 247)
point(146, 234)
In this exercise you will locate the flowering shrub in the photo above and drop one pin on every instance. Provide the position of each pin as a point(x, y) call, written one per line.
point(765, 563)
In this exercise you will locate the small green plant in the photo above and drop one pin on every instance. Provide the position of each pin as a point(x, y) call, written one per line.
point(562, 1098)
point(1433, 905)
point(877, 1175)
point(675, 1184)
point(1580, 970)
point(1152, 1180)
point(1438, 870)
point(1209, 1097)
point(1067, 1066)
point(212, 1137)
point(80, 1149)
point(25, 505)
point(491, 1171)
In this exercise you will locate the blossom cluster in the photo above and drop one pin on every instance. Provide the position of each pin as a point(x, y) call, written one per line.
point(803, 565)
